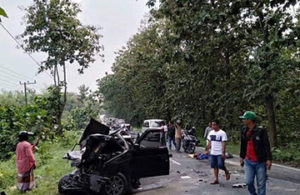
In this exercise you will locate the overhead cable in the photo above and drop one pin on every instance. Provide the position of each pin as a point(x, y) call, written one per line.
point(18, 43)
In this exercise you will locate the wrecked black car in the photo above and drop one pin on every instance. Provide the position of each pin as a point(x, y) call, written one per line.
point(111, 164)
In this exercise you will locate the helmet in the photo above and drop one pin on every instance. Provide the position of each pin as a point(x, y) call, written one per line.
point(178, 121)
point(249, 115)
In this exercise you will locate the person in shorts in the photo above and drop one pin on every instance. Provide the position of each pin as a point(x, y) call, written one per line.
point(217, 145)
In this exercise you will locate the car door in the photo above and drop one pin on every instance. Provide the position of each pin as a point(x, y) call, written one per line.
point(145, 126)
point(151, 156)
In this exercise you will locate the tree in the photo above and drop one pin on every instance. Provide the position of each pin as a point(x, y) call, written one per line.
point(272, 41)
point(2, 13)
point(52, 27)
point(199, 60)
point(83, 93)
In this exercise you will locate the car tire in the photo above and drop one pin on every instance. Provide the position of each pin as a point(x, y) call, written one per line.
point(65, 180)
point(117, 185)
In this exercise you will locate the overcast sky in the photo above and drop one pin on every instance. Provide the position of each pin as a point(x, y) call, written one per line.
point(119, 20)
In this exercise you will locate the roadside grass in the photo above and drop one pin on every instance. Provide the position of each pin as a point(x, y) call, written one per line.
point(233, 148)
point(137, 129)
point(50, 166)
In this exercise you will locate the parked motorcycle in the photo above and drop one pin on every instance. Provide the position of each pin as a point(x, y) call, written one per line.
point(189, 141)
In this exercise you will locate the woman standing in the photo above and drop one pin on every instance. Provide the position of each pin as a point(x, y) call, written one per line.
point(25, 162)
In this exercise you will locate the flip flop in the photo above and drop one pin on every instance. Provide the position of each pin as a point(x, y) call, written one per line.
point(227, 176)
point(214, 182)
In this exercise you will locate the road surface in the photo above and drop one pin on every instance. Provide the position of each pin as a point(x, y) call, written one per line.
point(192, 177)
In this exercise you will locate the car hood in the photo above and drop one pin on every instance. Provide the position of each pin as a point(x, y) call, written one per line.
point(94, 127)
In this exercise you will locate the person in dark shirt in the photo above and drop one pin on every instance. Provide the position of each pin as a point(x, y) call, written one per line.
point(171, 135)
point(255, 153)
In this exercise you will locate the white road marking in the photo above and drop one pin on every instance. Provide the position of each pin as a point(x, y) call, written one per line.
point(232, 163)
point(175, 162)
point(286, 167)
point(185, 177)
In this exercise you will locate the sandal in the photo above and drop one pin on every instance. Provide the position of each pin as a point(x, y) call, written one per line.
point(227, 175)
point(214, 182)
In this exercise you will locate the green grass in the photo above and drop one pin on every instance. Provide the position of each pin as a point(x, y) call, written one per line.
point(50, 166)
point(233, 148)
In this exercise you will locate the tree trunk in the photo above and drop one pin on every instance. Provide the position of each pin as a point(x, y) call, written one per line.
point(63, 101)
point(271, 119)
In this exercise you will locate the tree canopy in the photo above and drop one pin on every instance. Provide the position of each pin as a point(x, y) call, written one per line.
point(199, 60)
point(52, 27)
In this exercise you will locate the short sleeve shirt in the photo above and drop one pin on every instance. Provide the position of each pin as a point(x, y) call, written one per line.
point(216, 138)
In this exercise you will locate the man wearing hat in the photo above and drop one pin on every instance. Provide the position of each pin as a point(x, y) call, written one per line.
point(255, 153)
point(25, 162)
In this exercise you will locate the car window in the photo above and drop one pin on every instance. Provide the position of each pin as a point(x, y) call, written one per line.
point(155, 124)
point(151, 140)
point(146, 124)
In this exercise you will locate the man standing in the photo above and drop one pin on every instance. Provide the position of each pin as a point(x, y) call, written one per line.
point(171, 135)
point(217, 143)
point(255, 152)
point(207, 130)
point(25, 162)
point(178, 135)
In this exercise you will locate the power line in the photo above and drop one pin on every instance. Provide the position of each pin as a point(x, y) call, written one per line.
point(9, 86)
point(8, 77)
point(8, 82)
point(13, 73)
point(18, 43)
point(2, 79)
point(11, 76)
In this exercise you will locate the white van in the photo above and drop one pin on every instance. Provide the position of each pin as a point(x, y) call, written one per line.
point(151, 123)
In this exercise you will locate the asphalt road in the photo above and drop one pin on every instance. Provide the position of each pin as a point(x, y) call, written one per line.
point(191, 176)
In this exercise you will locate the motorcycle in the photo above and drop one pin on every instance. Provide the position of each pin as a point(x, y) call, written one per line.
point(189, 142)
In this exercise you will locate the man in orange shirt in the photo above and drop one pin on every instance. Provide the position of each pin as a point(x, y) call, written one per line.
point(25, 162)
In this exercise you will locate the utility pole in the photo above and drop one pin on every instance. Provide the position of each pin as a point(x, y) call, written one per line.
point(25, 88)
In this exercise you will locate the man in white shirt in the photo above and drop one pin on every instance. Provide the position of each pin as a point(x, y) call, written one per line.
point(217, 144)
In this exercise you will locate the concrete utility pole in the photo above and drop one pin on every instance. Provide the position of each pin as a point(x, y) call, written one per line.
point(25, 88)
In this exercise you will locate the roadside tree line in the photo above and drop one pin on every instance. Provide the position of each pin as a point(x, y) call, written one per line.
point(199, 60)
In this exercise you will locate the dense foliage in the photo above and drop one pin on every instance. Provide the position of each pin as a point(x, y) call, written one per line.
point(199, 60)
point(39, 116)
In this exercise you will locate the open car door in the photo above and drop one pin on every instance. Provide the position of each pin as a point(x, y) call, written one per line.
point(151, 156)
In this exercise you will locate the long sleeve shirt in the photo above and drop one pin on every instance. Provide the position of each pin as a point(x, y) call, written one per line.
point(24, 156)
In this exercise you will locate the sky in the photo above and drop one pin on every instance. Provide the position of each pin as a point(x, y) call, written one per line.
point(119, 20)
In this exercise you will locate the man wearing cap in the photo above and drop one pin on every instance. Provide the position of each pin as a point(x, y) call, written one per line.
point(25, 162)
point(255, 153)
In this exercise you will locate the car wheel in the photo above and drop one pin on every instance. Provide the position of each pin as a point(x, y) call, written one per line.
point(117, 185)
point(63, 182)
